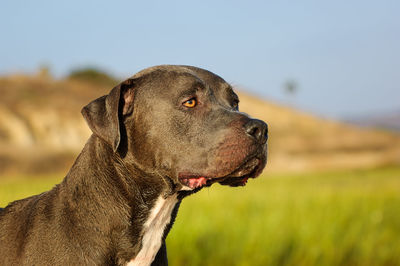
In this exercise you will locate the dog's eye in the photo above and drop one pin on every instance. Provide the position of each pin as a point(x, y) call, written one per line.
point(236, 105)
point(190, 103)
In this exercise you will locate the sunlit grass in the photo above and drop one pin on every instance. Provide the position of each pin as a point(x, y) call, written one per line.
point(335, 218)
point(18, 187)
point(343, 218)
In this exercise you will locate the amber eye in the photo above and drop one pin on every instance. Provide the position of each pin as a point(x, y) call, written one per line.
point(190, 103)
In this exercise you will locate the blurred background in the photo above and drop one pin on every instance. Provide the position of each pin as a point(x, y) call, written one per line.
point(324, 76)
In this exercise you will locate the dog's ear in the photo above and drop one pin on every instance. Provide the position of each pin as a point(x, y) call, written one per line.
point(105, 114)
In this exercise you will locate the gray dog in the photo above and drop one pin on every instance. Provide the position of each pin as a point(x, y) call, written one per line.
point(157, 137)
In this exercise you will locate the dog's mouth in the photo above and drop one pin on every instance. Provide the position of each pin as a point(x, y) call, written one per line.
point(251, 168)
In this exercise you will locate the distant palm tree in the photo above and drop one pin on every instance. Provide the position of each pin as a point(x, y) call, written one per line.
point(290, 87)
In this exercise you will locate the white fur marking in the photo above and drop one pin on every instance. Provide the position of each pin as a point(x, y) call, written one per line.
point(153, 229)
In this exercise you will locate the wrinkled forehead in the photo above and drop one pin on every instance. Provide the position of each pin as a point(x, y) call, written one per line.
point(208, 77)
point(176, 79)
point(220, 88)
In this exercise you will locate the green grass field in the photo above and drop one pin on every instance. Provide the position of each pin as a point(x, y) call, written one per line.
point(335, 218)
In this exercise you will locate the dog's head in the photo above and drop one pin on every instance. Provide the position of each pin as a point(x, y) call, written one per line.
point(182, 123)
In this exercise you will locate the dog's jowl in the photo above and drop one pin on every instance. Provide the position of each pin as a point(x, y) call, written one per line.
point(158, 137)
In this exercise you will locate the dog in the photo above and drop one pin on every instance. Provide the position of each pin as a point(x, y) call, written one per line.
point(159, 136)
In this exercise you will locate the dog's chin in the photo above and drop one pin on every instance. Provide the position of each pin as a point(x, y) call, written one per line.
point(251, 168)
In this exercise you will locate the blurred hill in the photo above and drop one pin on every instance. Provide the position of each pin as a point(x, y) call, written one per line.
point(301, 141)
point(42, 130)
point(390, 121)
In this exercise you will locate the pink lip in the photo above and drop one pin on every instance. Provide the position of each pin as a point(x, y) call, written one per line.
point(194, 182)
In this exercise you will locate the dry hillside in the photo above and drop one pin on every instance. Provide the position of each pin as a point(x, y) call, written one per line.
point(41, 130)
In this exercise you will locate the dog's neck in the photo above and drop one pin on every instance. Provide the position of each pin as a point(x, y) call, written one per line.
point(136, 201)
point(155, 229)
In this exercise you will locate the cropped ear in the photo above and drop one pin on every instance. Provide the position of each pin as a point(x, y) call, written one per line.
point(104, 114)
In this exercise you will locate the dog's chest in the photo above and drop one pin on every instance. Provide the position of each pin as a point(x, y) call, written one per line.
point(153, 230)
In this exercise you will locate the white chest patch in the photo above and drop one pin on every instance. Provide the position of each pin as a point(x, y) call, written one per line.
point(153, 228)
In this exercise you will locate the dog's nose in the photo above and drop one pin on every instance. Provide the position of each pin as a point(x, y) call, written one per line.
point(257, 129)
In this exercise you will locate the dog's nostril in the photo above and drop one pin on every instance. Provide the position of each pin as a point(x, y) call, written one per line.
point(257, 129)
point(254, 131)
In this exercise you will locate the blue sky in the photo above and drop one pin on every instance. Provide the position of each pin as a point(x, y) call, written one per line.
point(344, 55)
